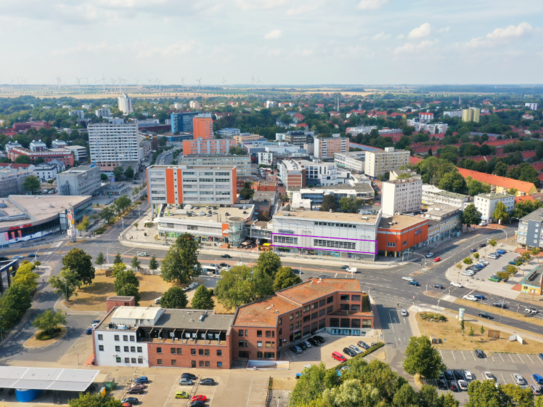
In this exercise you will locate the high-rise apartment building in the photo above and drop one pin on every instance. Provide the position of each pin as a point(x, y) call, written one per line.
point(241, 162)
point(380, 162)
point(182, 122)
point(113, 144)
point(203, 127)
point(209, 146)
point(102, 112)
point(531, 106)
point(472, 114)
point(192, 184)
point(327, 147)
point(125, 104)
point(402, 196)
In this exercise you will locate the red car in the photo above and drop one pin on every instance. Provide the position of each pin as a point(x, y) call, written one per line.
point(199, 397)
point(437, 259)
point(339, 357)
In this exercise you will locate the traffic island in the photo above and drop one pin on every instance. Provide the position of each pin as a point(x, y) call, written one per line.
point(35, 343)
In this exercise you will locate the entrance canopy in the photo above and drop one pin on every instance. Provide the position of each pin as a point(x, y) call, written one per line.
point(46, 379)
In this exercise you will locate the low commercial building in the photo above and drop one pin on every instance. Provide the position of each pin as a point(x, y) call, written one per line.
point(228, 132)
point(12, 178)
point(353, 161)
point(400, 233)
point(530, 230)
point(309, 198)
point(79, 152)
point(302, 173)
point(486, 204)
point(433, 195)
point(241, 162)
point(82, 180)
point(244, 137)
point(402, 196)
point(378, 163)
point(533, 282)
point(327, 147)
point(27, 217)
point(191, 184)
point(448, 221)
point(45, 172)
point(296, 137)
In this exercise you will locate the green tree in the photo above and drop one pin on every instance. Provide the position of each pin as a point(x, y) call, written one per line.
point(49, 320)
point(462, 326)
point(501, 169)
point(80, 262)
point(269, 263)
point(13, 304)
point(175, 297)
point(534, 251)
point(285, 278)
point(237, 151)
point(493, 242)
point(129, 172)
point(121, 204)
point(118, 173)
point(66, 283)
point(107, 214)
point(100, 259)
point(471, 216)
point(203, 298)
point(153, 263)
point(127, 284)
point(329, 203)
point(240, 285)
point(476, 255)
point(422, 358)
point(136, 263)
point(476, 187)
point(94, 400)
point(482, 330)
point(246, 192)
point(84, 224)
point(517, 396)
point(181, 262)
point(309, 387)
point(406, 397)
point(26, 276)
point(500, 213)
point(453, 182)
point(467, 261)
point(31, 183)
point(350, 204)
point(485, 393)
point(103, 177)
point(22, 159)
point(117, 259)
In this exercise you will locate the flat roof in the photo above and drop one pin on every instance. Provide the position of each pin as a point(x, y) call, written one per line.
point(312, 289)
point(536, 215)
point(189, 318)
point(263, 312)
point(358, 187)
point(221, 214)
point(13, 377)
point(401, 222)
point(79, 169)
point(136, 312)
point(493, 195)
point(317, 215)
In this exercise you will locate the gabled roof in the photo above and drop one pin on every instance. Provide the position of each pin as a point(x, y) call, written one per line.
point(496, 180)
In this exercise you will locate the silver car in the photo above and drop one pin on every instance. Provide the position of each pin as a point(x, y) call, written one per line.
point(355, 349)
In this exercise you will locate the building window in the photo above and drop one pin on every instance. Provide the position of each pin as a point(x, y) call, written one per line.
point(117, 348)
point(219, 352)
point(140, 360)
point(200, 352)
point(344, 297)
point(240, 333)
point(322, 323)
point(389, 244)
point(172, 350)
point(314, 305)
point(206, 352)
point(269, 355)
point(291, 326)
point(306, 308)
point(330, 309)
point(259, 334)
point(179, 351)
point(259, 344)
point(355, 323)
point(298, 323)
point(334, 322)
point(132, 349)
point(322, 303)
point(280, 321)
point(243, 354)
point(292, 317)
point(100, 337)
point(133, 360)
point(201, 363)
point(241, 344)
point(259, 355)
point(127, 349)
point(280, 331)
point(132, 338)
point(116, 337)
point(355, 307)
point(100, 347)
point(174, 362)
point(314, 315)
point(366, 323)
point(219, 364)
point(193, 351)
point(307, 318)
point(345, 323)
point(355, 298)
point(139, 349)
point(118, 359)
point(125, 338)
point(126, 360)
point(298, 313)
point(158, 350)
point(329, 300)
point(344, 307)
point(270, 334)
point(208, 363)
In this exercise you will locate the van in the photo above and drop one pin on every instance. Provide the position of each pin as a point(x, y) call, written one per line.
point(210, 270)
point(339, 357)
point(415, 283)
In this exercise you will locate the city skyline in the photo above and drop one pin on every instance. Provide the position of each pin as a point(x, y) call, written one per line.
point(272, 42)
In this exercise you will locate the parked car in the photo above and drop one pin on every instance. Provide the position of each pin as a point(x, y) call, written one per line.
point(407, 278)
point(437, 259)
point(493, 256)
point(479, 296)
point(496, 279)
point(199, 397)
point(449, 375)
point(185, 382)
point(339, 357)
point(536, 390)
point(430, 254)
point(519, 379)
point(442, 385)
point(295, 349)
point(157, 300)
point(458, 374)
point(138, 385)
point(135, 390)
point(319, 338)
point(313, 342)
point(468, 273)
point(197, 403)
point(501, 251)
point(307, 344)
point(302, 345)
point(454, 283)
point(541, 356)
point(141, 379)
point(363, 345)
point(485, 315)
point(181, 395)
point(349, 352)
point(226, 256)
point(415, 283)
point(89, 331)
point(453, 386)
point(189, 376)
point(512, 262)
point(130, 400)
point(438, 286)
point(468, 375)
point(355, 349)
point(403, 312)
point(207, 382)
point(470, 297)
point(538, 378)
point(488, 376)
point(463, 385)
point(479, 353)
point(143, 254)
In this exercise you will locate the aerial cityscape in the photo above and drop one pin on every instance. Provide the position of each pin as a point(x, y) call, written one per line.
point(264, 203)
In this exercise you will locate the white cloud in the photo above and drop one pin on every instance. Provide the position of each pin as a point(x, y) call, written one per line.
point(274, 34)
point(411, 48)
point(260, 4)
point(371, 4)
point(381, 36)
point(444, 29)
point(400, 37)
point(421, 32)
point(502, 35)
point(304, 8)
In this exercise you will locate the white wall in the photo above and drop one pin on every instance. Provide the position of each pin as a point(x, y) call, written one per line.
point(108, 357)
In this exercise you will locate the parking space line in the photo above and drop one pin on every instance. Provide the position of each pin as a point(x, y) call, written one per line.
point(452, 353)
point(503, 378)
point(493, 359)
point(473, 354)
point(530, 358)
point(501, 357)
point(462, 352)
point(520, 358)
point(511, 357)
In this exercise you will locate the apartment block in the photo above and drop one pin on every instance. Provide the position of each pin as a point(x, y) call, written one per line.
point(433, 195)
point(472, 114)
point(296, 137)
point(125, 104)
point(82, 180)
point(102, 113)
point(191, 184)
point(530, 229)
point(11, 179)
point(245, 137)
point(353, 160)
point(403, 195)
point(486, 204)
point(207, 146)
point(379, 162)
point(302, 173)
point(327, 147)
point(113, 144)
point(182, 122)
point(241, 162)
point(203, 127)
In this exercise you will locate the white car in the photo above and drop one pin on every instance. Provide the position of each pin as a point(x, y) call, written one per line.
point(403, 312)
point(489, 376)
point(355, 349)
point(454, 283)
point(352, 270)
point(519, 379)
point(307, 344)
point(157, 301)
point(468, 273)
point(484, 262)
point(468, 375)
point(429, 255)
point(470, 297)
point(143, 254)
point(407, 278)
point(463, 385)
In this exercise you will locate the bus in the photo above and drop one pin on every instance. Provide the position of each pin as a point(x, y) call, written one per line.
point(210, 270)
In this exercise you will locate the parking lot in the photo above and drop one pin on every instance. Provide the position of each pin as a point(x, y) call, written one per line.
point(495, 265)
point(501, 365)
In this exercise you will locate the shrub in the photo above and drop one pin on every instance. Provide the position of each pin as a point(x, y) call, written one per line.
point(476, 255)
point(503, 275)
point(467, 260)
point(433, 317)
point(45, 336)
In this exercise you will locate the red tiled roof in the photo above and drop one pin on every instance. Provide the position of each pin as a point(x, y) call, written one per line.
point(415, 160)
point(524, 198)
point(496, 180)
point(258, 314)
point(4, 165)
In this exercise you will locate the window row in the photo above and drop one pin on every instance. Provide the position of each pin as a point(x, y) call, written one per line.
point(285, 239)
point(338, 225)
point(201, 363)
point(129, 360)
point(179, 351)
point(117, 338)
point(349, 323)
point(335, 244)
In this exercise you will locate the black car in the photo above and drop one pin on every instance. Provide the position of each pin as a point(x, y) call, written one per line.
point(131, 400)
point(482, 244)
point(485, 315)
point(207, 382)
point(449, 375)
point(189, 376)
point(480, 354)
point(33, 255)
point(442, 385)
point(302, 345)
point(458, 374)
point(135, 390)
point(226, 256)
point(454, 386)
point(319, 338)
point(349, 352)
point(502, 305)
point(439, 286)
point(224, 265)
point(3, 258)
point(313, 342)
point(295, 349)
point(197, 403)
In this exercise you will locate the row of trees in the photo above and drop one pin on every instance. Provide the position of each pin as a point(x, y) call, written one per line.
point(18, 298)
point(347, 204)
point(118, 206)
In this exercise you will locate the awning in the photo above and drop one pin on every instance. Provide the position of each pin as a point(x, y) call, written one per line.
point(46, 379)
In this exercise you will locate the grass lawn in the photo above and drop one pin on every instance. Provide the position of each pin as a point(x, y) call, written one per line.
point(451, 331)
point(34, 342)
point(508, 312)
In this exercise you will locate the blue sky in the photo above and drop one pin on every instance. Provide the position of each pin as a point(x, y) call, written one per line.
point(278, 41)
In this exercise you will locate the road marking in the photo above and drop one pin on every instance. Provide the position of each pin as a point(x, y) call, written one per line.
point(335, 275)
point(501, 357)
point(503, 378)
point(452, 353)
point(520, 358)
point(463, 354)
point(473, 354)
point(493, 359)
point(530, 359)
point(511, 357)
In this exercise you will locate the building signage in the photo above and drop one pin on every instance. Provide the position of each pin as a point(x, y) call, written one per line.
point(290, 232)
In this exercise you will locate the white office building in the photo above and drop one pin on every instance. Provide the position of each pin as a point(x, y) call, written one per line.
point(45, 172)
point(125, 104)
point(113, 144)
point(302, 173)
point(380, 162)
point(433, 195)
point(241, 162)
point(80, 153)
point(265, 158)
point(353, 160)
point(401, 196)
point(79, 113)
point(453, 113)
point(531, 106)
point(486, 204)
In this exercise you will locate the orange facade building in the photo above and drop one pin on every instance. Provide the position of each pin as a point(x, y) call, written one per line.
point(209, 146)
point(203, 127)
point(397, 234)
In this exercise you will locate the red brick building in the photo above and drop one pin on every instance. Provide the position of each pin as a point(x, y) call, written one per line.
point(65, 156)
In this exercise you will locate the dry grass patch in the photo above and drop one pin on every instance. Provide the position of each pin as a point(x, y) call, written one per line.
point(34, 342)
point(451, 335)
point(283, 383)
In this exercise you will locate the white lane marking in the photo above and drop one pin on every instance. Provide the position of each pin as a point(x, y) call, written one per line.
point(452, 353)
point(528, 356)
point(463, 354)
point(501, 357)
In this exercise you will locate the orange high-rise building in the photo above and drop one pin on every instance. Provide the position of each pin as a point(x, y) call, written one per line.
point(203, 127)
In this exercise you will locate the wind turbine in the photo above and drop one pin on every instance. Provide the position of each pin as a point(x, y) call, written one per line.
point(113, 86)
point(223, 80)
point(199, 83)
point(78, 80)
point(182, 82)
point(158, 81)
point(58, 81)
point(103, 80)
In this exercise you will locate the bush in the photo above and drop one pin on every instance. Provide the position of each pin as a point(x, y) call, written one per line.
point(433, 317)
point(45, 336)
point(100, 230)
point(476, 255)
point(467, 260)
point(503, 275)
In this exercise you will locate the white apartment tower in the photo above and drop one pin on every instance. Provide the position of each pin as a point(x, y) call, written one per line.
point(125, 104)
point(113, 144)
point(402, 196)
point(380, 162)
point(486, 204)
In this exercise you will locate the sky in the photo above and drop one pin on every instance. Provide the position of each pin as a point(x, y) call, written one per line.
point(276, 42)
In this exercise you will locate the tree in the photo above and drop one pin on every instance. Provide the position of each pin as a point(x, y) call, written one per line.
point(84, 224)
point(501, 169)
point(153, 263)
point(103, 177)
point(285, 278)
point(118, 173)
point(181, 262)
point(26, 276)
point(22, 159)
point(175, 297)
point(471, 216)
point(406, 397)
point(467, 261)
point(493, 242)
point(129, 172)
point(65, 283)
point(237, 151)
point(482, 330)
point(500, 213)
point(453, 182)
point(203, 298)
point(246, 192)
point(127, 284)
point(100, 259)
point(517, 396)
point(136, 263)
point(422, 358)
point(329, 203)
point(475, 187)
point(462, 326)
point(107, 214)
point(117, 259)
point(13, 304)
point(485, 393)
point(269, 263)
point(80, 262)
point(240, 285)
point(49, 320)
point(350, 204)
point(310, 386)
point(476, 255)
point(121, 204)
point(31, 183)
point(94, 400)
